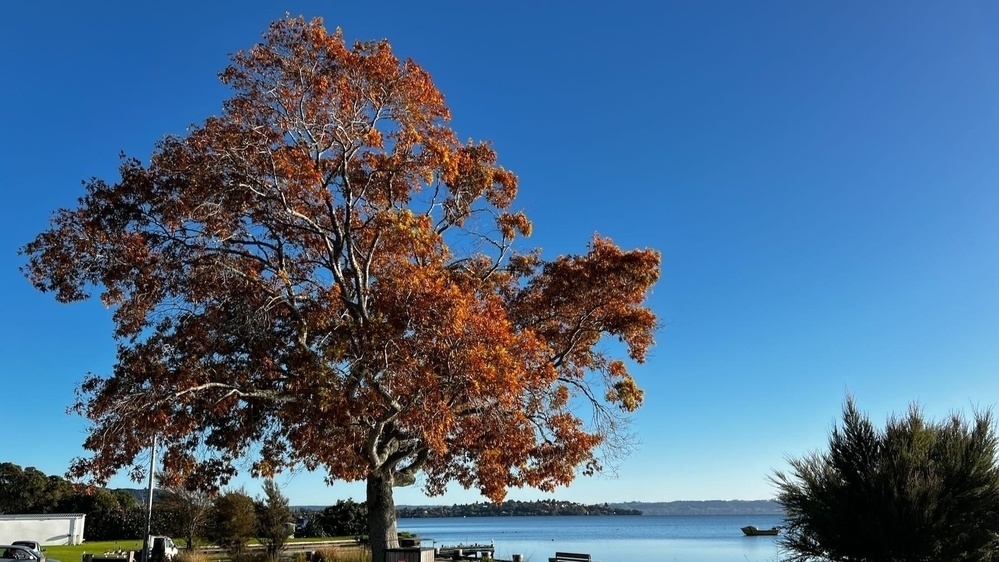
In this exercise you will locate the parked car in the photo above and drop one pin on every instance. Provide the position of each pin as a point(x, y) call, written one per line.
point(33, 545)
point(21, 553)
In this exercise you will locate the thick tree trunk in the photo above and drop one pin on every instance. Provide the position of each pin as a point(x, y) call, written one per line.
point(382, 531)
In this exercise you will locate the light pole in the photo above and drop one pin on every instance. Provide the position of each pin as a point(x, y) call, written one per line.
point(146, 545)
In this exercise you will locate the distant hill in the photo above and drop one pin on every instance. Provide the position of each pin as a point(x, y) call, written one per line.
point(142, 493)
point(706, 507)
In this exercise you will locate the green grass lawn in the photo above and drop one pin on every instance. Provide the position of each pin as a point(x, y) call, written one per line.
point(74, 553)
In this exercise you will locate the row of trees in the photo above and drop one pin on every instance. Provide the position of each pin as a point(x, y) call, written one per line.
point(229, 519)
point(235, 518)
point(114, 514)
point(514, 507)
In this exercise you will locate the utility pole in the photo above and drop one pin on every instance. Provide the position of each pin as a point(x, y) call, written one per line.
point(146, 545)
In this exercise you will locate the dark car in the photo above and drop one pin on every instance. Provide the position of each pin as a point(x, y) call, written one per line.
point(33, 545)
point(20, 553)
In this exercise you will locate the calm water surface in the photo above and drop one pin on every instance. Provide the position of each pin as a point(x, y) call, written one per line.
point(649, 538)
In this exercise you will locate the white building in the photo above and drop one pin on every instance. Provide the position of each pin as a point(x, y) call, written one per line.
point(46, 528)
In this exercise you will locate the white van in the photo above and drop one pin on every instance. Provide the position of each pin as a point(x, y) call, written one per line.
point(162, 548)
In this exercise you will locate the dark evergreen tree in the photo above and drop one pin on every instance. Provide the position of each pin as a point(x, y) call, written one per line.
point(233, 522)
point(915, 491)
point(273, 519)
point(345, 518)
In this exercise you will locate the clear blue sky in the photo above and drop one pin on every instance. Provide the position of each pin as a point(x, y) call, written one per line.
point(821, 178)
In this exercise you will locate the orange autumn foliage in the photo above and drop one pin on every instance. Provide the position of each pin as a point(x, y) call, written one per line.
point(324, 276)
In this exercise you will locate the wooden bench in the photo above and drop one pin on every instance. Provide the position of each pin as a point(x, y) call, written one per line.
point(570, 557)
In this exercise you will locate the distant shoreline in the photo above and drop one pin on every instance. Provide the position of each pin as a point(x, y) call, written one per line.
point(513, 508)
point(706, 507)
point(561, 508)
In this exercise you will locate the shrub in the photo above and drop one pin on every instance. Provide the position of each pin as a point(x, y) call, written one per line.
point(916, 490)
point(253, 557)
point(191, 556)
point(341, 554)
point(234, 521)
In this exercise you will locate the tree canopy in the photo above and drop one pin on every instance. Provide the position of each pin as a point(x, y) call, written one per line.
point(324, 276)
point(344, 518)
point(915, 490)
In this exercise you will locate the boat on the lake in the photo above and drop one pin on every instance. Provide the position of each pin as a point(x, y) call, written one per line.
point(752, 531)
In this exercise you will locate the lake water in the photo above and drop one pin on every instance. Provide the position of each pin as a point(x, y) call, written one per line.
point(617, 538)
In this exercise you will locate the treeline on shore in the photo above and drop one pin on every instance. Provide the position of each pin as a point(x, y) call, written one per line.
point(513, 508)
point(706, 507)
point(228, 519)
point(555, 507)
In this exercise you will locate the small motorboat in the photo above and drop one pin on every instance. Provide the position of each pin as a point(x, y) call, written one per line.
point(752, 531)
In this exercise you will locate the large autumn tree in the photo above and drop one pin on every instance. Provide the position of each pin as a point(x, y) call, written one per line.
point(324, 276)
